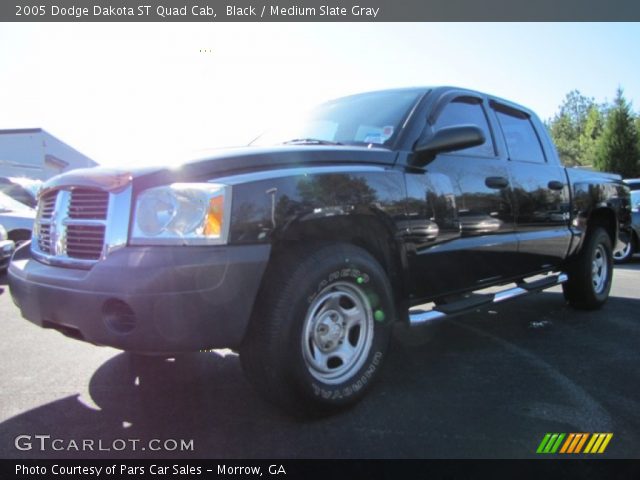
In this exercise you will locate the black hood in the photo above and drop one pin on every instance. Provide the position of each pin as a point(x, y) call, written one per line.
point(225, 162)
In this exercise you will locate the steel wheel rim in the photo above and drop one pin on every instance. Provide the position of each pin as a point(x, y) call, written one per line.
point(622, 253)
point(338, 333)
point(599, 269)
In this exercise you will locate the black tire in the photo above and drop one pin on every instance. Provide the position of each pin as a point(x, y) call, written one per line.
point(626, 254)
point(590, 273)
point(320, 329)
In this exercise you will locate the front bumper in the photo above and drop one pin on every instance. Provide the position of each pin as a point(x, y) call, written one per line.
point(145, 299)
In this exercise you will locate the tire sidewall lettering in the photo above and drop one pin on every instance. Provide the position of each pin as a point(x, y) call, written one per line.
point(342, 274)
point(354, 387)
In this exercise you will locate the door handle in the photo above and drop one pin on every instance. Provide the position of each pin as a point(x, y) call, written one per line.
point(555, 185)
point(496, 182)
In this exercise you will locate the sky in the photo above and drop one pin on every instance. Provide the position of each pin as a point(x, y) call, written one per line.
point(159, 93)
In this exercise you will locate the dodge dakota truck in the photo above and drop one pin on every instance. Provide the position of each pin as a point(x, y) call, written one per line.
point(301, 250)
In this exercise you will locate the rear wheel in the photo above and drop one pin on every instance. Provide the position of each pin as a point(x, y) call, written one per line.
point(320, 329)
point(591, 272)
point(625, 254)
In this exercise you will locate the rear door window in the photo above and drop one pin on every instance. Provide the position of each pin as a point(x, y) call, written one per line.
point(521, 138)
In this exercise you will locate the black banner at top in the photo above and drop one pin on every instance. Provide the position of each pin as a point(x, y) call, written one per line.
point(317, 10)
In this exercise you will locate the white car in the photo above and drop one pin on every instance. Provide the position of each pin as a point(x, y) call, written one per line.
point(7, 247)
point(16, 218)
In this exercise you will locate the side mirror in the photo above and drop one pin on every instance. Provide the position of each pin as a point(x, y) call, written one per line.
point(448, 139)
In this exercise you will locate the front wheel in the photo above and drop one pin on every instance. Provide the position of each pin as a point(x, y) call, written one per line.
point(320, 329)
point(591, 273)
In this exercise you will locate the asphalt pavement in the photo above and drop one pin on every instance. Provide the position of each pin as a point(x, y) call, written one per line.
point(489, 384)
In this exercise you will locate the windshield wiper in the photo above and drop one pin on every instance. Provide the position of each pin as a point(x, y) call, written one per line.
point(310, 141)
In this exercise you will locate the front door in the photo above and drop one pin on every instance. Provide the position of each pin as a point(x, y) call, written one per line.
point(468, 198)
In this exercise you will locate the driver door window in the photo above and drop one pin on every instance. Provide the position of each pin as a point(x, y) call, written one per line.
point(466, 111)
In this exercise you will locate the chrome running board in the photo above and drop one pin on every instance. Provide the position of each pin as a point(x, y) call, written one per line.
point(477, 300)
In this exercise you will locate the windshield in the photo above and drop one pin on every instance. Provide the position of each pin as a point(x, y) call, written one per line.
point(635, 199)
point(365, 119)
point(30, 184)
point(8, 204)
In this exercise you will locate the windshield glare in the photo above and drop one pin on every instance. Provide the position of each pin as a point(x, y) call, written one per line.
point(369, 118)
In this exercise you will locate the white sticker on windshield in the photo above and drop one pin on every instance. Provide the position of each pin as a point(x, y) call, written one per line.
point(387, 132)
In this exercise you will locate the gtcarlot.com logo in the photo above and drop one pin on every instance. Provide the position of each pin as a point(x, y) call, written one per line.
point(574, 443)
point(45, 443)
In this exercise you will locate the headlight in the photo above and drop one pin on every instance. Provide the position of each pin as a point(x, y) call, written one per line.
point(182, 214)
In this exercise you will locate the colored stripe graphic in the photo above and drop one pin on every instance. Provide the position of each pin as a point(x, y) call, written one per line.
point(581, 443)
point(550, 443)
point(605, 443)
point(590, 444)
point(567, 443)
point(574, 443)
point(555, 447)
point(543, 443)
point(598, 442)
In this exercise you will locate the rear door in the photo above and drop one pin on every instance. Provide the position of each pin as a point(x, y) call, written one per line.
point(540, 189)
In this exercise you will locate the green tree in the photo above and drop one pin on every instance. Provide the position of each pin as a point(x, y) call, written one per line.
point(577, 107)
point(588, 140)
point(564, 137)
point(617, 148)
point(568, 126)
point(638, 132)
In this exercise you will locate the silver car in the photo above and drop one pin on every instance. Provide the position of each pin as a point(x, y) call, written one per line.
point(632, 244)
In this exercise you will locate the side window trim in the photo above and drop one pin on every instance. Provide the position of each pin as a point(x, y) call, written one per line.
point(446, 99)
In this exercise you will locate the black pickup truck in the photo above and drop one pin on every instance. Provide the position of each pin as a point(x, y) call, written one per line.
point(302, 250)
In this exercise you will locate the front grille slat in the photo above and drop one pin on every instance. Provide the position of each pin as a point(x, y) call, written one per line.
point(83, 239)
point(88, 204)
point(69, 215)
point(47, 204)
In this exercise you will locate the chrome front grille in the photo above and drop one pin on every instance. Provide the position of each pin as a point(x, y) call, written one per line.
point(88, 204)
point(85, 241)
point(44, 239)
point(71, 224)
point(47, 204)
point(77, 226)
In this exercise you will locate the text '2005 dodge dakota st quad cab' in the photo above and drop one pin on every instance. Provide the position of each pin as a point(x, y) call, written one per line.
point(301, 250)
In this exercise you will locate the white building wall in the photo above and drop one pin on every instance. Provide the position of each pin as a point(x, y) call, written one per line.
point(35, 153)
